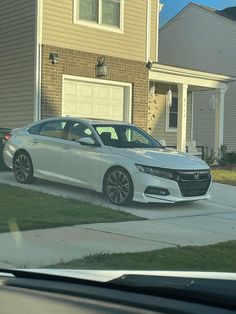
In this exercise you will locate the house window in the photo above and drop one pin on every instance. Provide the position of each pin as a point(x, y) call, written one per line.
point(99, 13)
point(88, 10)
point(172, 115)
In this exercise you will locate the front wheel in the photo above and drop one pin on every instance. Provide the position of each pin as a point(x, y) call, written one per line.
point(118, 186)
point(23, 168)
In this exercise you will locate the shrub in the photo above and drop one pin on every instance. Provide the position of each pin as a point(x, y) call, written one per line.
point(223, 156)
point(1, 156)
point(232, 157)
point(209, 156)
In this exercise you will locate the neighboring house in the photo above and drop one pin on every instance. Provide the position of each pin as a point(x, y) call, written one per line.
point(49, 50)
point(204, 38)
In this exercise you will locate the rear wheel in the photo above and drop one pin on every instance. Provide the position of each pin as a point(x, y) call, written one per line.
point(118, 186)
point(23, 168)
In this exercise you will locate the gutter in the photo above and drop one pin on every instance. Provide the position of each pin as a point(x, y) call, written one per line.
point(38, 58)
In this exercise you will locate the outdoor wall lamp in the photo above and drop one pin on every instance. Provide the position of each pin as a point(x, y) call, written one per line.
point(169, 97)
point(149, 65)
point(153, 88)
point(101, 67)
point(212, 102)
point(54, 56)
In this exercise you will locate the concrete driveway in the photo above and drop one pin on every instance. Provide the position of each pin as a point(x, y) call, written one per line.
point(198, 223)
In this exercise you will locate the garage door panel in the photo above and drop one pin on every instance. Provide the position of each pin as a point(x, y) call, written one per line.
point(70, 89)
point(84, 90)
point(103, 92)
point(84, 109)
point(100, 108)
point(117, 94)
point(93, 100)
point(71, 108)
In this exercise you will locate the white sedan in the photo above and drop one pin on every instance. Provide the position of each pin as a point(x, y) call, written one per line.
point(116, 158)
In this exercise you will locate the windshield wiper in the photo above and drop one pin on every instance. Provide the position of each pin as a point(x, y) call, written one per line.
point(217, 292)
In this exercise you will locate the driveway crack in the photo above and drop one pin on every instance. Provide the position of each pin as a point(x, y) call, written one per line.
point(129, 236)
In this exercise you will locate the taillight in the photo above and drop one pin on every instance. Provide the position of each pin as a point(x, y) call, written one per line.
point(7, 136)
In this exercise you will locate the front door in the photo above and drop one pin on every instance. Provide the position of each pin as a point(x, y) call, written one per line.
point(80, 164)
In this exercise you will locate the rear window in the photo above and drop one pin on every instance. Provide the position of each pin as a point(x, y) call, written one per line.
point(53, 129)
point(35, 129)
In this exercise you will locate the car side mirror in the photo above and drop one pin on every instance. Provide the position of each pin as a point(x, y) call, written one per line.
point(87, 141)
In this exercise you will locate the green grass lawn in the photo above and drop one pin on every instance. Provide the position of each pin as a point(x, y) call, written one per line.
point(220, 257)
point(27, 210)
point(225, 176)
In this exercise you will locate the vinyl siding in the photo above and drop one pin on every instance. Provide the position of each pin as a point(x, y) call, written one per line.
point(197, 38)
point(17, 33)
point(60, 30)
point(157, 119)
point(204, 117)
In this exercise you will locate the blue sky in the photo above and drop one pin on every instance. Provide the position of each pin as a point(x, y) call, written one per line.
point(172, 7)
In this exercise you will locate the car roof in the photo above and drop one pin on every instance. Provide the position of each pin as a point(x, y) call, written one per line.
point(108, 122)
point(87, 120)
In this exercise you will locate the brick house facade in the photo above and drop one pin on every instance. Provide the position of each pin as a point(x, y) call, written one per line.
point(82, 64)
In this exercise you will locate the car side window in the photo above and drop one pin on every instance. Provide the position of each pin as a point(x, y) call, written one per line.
point(78, 130)
point(53, 129)
point(108, 129)
point(35, 129)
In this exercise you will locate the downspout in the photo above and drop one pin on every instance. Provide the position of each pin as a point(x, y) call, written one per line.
point(38, 57)
point(148, 30)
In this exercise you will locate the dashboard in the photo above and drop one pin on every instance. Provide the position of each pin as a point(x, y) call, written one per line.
point(51, 295)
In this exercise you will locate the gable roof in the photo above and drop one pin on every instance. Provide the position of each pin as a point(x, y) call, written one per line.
point(229, 12)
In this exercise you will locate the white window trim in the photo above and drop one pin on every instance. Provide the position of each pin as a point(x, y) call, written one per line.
point(127, 93)
point(168, 129)
point(99, 25)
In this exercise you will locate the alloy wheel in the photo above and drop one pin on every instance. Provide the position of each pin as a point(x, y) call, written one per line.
point(22, 168)
point(118, 187)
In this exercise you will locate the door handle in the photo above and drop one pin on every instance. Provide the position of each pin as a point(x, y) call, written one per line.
point(34, 141)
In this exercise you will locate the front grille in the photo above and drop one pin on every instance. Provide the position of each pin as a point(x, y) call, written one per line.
point(194, 183)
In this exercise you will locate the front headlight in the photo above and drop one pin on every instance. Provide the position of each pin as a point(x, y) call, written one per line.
point(159, 172)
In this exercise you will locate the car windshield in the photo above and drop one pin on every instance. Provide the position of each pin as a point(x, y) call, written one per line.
point(125, 136)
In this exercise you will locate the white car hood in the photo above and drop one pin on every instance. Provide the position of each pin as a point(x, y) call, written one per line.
point(164, 158)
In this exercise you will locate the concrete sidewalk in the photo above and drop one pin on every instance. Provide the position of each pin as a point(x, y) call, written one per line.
point(39, 248)
point(198, 223)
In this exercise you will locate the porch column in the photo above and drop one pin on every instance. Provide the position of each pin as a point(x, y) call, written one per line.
point(182, 117)
point(219, 118)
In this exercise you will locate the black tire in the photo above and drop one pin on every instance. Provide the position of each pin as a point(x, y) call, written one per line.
point(118, 186)
point(23, 168)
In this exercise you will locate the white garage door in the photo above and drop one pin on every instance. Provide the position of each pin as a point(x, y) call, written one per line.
point(93, 100)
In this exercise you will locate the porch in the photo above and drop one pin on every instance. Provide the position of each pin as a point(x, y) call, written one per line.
point(171, 103)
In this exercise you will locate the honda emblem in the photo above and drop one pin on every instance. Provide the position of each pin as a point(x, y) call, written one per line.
point(196, 175)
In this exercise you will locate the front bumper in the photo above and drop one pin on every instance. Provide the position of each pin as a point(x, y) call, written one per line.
point(142, 181)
